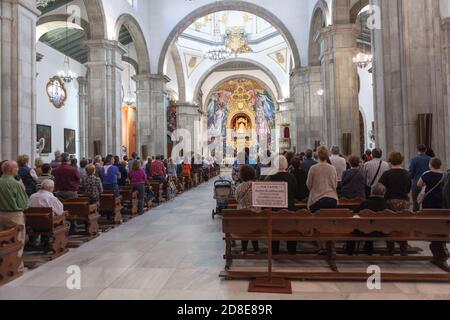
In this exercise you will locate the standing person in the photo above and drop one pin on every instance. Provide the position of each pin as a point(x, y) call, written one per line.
point(353, 185)
point(92, 185)
point(123, 171)
point(171, 169)
point(111, 176)
point(308, 162)
point(37, 171)
point(322, 184)
point(367, 156)
point(25, 175)
point(138, 178)
point(301, 176)
point(376, 203)
point(419, 165)
point(432, 181)
point(339, 163)
point(284, 176)
point(82, 169)
point(57, 162)
point(98, 162)
point(244, 198)
point(13, 201)
point(398, 183)
point(67, 179)
point(446, 191)
point(374, 169)
point(159, 170)
point(46, 175)
point(134, 157)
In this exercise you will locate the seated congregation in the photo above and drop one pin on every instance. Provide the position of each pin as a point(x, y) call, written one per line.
point(338, 205)
point(57, 205)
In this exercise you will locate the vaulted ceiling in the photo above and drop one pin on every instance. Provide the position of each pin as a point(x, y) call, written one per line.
point(70, 41)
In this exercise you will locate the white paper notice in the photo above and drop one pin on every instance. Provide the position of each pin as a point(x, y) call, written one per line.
point(270, 195)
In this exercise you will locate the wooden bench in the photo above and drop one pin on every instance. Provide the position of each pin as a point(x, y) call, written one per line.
point(158, 190)
point(52, 229)
point(180, 184)
point(129, 200)
point(352, 204)
point(9, 254)
point(112, 205)
point(331, 226)
point(80, 210)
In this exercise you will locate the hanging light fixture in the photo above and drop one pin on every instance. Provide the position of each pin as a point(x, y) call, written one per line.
point(129, 99)
point(363, 60)
point(218, 54)
point(66, 74)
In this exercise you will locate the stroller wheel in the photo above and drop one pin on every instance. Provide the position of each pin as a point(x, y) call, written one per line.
point(213, 214)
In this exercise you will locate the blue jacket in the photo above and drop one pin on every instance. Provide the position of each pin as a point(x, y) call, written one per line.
point(419, 165)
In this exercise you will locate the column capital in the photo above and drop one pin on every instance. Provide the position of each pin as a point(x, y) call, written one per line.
point(159, 77)
point(142, 77)
point(82, 80)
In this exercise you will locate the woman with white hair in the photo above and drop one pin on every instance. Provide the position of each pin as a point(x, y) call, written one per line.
point(44, 198)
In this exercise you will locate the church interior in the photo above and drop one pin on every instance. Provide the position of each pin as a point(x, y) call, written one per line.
point(187, 98)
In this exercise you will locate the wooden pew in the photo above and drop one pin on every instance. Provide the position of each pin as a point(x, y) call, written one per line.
point(331, 226)
point(352, 204)
point(129, 200)
point(9, 254)
point(180, 184)
point(158, 190)
point(80, 210)
point(53, 230)
point(110, 204)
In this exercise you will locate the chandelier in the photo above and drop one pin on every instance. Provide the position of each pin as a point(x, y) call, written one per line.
point(363, 60)
point(44, 3)
point(66, 74)
point(218, 54)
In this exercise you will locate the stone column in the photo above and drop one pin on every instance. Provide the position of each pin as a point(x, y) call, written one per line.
point(104, 84)
point(188, 119)
point(144, 122)
point(18, 78)
point(410, 75)
point(83, 116)
point(446, 64)
point(310, 118)
point(339, 76)
point(158, 114)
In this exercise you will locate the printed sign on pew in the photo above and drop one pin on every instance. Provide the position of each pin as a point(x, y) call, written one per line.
point(270, 195)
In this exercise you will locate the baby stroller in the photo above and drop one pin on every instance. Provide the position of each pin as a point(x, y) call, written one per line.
point(223, 191)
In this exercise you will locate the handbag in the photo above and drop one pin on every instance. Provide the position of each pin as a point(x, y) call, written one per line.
point(422, 196)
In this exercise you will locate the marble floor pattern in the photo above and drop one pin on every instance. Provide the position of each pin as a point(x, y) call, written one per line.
point(175, 252)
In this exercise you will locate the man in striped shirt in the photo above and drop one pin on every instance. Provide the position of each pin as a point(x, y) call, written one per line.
point(374, 169)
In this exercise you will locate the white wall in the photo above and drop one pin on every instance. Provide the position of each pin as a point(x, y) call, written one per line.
point(47, 114)
point(366, 102)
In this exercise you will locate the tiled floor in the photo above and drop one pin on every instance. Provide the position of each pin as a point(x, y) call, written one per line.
point(175, 252)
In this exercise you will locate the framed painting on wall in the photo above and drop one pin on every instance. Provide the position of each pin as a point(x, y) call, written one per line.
point(45, 132)
point(69, 141)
